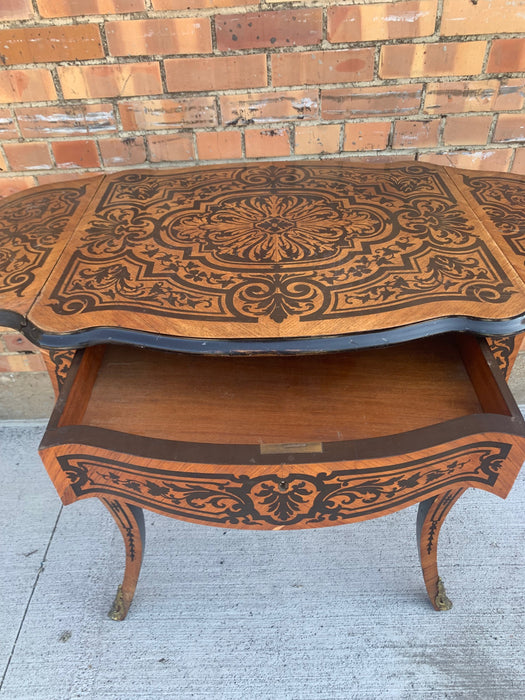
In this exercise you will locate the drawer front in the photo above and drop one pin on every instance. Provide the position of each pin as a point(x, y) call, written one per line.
point(298, 496)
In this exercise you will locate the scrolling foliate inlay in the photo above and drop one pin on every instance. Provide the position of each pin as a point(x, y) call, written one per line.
point(299, 500)
point(503, 201)
point(503, 350)
point(30, 227)
point(61, 360)
point(279, 241)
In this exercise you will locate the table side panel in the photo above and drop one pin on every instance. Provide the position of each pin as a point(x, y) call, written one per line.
point(58, 363)
point(505, 350)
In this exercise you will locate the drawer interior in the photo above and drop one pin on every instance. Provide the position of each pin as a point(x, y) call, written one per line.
point(283, 399)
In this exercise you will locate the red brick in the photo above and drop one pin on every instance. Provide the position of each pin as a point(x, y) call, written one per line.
point(219, 145)
point(267, 143)
point(346, 103)
point(159, 114)
point(3, 163)
point(216, 73)
point(507, 56)
point(511, 95)
point(269, 106)
point(318, 67)
point(64, 176)
point(16, 342)
point(26, 85)
point(8, 128)
point(28, 156)
point(463, 96)
point(420, 60)
point(509, 127)
point(66, 120)
point(68, 8)
point(16, 9)
point(498, 160)
point(14, 362)
point(467, 131)
point(45, 44)
point(489, 17)
point(35, 362)
point(366, 136)
point(199, 4)
point(146, 37)
point(128, 151)
point(22, 362)
point(170, 147)
point(519, 166)
point(379, 157)
point(323, 138)
point(10, 185)
point(365, 22)
point(116, 80)
point(76, 154)
point(273, 29)
point(416, 134)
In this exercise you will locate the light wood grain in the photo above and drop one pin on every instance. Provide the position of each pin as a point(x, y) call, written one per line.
point(281, 399)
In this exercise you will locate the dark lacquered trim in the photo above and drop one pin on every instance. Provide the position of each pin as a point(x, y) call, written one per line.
point(12, 319)
point(295, 346)
point(483, 425)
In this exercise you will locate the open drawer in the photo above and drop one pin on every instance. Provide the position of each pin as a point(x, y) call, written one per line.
point(395, 424)
point(286, 441)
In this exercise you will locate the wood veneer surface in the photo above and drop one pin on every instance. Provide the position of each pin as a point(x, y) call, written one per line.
point(347, 396)
point(282, 250)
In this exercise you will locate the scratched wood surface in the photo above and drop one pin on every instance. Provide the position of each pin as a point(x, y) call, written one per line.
point(282, 250)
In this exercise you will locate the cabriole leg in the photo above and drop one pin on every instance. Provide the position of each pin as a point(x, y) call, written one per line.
point(430, 517)
point(130, 521)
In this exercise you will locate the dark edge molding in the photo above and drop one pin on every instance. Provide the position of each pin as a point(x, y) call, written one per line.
point(488, 426)
point(12, 319)
point(295, 346)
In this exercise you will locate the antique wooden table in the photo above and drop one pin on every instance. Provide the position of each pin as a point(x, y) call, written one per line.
point(253, 276)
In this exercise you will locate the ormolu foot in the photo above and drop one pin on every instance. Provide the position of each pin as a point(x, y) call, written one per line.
point(119, 609)
point(441, 601)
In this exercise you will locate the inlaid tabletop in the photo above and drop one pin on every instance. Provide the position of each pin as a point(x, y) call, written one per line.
point(242, 256)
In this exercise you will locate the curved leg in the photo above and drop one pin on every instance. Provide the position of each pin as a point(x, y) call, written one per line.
point(130, 521)
point(430, 517)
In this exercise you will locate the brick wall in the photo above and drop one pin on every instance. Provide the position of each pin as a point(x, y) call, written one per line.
point(91, 85)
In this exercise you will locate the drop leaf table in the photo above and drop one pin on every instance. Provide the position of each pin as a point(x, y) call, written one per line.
point(274, 345)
